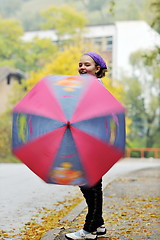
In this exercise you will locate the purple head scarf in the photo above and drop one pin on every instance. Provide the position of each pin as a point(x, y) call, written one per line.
point(97, 58)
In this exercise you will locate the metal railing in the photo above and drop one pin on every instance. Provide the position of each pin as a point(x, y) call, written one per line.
point(156, 151)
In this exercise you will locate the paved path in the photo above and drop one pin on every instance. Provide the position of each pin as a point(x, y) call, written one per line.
point(22, 193)
point(130, 209)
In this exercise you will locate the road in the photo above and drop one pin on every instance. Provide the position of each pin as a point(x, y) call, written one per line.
point(22, 193)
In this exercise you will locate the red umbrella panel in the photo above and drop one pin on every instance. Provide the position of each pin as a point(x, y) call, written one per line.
point(69, 129)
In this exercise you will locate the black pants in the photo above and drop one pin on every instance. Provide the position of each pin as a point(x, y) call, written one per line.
point(94, 199)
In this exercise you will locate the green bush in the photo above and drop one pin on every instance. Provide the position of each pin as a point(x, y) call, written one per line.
point(5, 138)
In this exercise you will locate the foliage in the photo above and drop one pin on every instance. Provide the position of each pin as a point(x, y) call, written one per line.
point(142, 98)
point(49, 218)
point(25, 56)
point(155, 7)
point(135, 110)
point(64, 63)
point(7, 8)
point(10, 33)
point(35, 54)
point(6, 124)
point(97, 12)
point(58, 65)
point(30, 22)
point(94, 6)
point(5, 135)
point(117, 89)
point(65, 20)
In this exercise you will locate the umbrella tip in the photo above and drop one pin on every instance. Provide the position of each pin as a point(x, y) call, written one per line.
point(68, 124)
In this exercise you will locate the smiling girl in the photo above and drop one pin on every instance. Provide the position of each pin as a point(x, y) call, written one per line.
point(93, 64)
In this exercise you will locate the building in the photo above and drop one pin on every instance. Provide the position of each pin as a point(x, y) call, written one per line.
point(7, 76)
point(5, 90)
point(116, 41)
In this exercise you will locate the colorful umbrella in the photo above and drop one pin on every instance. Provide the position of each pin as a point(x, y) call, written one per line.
point(69, 129)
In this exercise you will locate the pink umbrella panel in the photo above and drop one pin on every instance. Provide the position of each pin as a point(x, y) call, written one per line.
point(69, 130)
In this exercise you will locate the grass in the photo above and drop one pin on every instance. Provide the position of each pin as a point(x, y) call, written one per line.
point(9, 159)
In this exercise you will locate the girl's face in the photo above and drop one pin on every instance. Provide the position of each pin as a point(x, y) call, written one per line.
point(87, 65)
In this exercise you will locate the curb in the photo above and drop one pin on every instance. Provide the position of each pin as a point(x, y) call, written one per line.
point(73, 214)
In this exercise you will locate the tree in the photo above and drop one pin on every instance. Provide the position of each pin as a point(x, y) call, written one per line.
point(35, 54)
point(94, 5)
point(142, 98)
point(10, 33)
point(64, 62)
point(134, 103)
point(26, 56)
point(65, 20)
point(7, 9)
point(5, 135)
point(30, 22)
point(155, 7)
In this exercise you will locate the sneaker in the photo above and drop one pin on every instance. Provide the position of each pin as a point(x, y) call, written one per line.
point(81, 234)
point(101, 230)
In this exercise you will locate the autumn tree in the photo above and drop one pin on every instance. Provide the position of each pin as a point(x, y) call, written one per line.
point(64, 63)
point(35, 54)
point(10, 33)
point(65, 20)
point(26, 56)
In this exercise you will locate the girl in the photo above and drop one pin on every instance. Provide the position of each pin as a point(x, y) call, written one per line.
point(91, 63)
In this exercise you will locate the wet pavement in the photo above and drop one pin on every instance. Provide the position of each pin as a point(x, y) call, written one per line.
point(131, 208)
point(23, 194)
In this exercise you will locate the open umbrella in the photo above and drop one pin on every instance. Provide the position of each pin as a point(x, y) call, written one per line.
point(69, 129)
